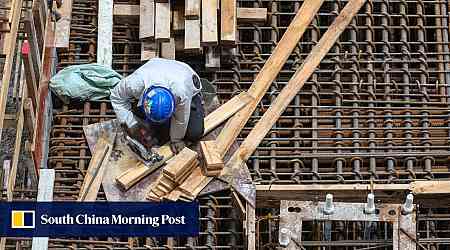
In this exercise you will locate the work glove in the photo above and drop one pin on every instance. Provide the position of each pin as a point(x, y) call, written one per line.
point(176, 146)
point(142, 135)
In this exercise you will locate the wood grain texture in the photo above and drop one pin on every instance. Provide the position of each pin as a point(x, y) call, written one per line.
point(162, 21)
point(149, 49)
point(62, 30)
point(147, 19)
point(168, 49)
point(209, 22)
point(269, 72)
point(251, 15)
point(104, 40)
point(180, 163)
point(192, 35)
point(94, 174)
point(192, 9)
point(228, 22)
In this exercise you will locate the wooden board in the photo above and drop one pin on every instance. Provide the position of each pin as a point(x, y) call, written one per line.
point(62, 30)
point(178, 21)
point(269, 72)
point(126, 10)
point(192, 35)
point(430, 187)
point(149, 49)
point(162, 21)
point(212, 57)
point(209, 22)
point(225, 111)
point(213, 160)
point(192, 9)
point(29, 70)
point(168, 49)
point(104, 40)
point(10, 45)
point(147, 19)
point(297, 81)
point(251, 15)
point(135, 174)
point(94, 175)
point(45, 194)
point(228, 22)
point(178, 165)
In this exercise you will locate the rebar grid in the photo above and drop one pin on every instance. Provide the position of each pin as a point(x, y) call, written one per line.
point(375, 109)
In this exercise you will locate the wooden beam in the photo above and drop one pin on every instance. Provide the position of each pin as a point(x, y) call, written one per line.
point(29, 116)
point(45, 194)
point(213, 163)
point(62, 30)
point(127, 10)
point(30, 73)
point(104, 40)
point(178, 20)
point(147, 19)
point(135, 174)
point(32, 38)
point(192, 35)
point(209, 22)
point(6, 171)
point(250, 227)
point(168, 49)
point(430, 187)
point(94, 174)
point(225, 111)
point(192, 9)
point(228, 22)
point(269, 72)
point(297, 81)
point(149, 49)
point(251, 15)
point(10, 46)
point(177, 166)
point(162, 21)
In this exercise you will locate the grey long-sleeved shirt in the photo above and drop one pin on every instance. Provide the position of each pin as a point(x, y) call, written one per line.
point(173, 75)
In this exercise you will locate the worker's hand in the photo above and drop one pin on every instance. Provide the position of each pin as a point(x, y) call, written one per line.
point(176, 146)
point(142, 135)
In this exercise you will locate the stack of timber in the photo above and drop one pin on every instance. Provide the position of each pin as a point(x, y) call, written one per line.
point(212, 161)
point(174, 173)
point(167, 28)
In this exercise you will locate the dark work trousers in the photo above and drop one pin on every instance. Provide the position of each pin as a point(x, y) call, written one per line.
point(195, 128)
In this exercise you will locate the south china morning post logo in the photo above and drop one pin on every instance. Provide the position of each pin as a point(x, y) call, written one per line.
point(22, 219)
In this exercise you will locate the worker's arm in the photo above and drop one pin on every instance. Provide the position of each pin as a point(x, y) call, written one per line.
point(180, 119)
point(122, 96)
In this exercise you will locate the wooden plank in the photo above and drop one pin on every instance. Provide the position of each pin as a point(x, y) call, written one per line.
point(149, 49)
point(17, 147)
point(228, 22)
point(127, 10)
point(162, 22)
point(178, 165)
point(430, 187)
point(251, 15)
point(45, 193)
point(10, 46)
point(168, 49)
point(212, 57)
point(29, 116)
point(94, 174)
point(250, 226)
point(30, 74)
point(213, 160)
point(62, 30)
point(225, 111)
point(192, 9)
point(104, 40)
point(178, 21)
point(135, 174)
point(147, 19)
point(294, 85)
point(6, 171)
point(209, 22)
point(32, 38)
point(269, 72)
point(192, 35)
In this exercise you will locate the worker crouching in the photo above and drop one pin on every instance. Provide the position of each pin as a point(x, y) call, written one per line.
point(161, 102)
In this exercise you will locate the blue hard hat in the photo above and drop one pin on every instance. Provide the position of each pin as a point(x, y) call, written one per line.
point(158, 104)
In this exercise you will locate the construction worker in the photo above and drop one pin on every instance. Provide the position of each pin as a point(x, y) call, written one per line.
point(161, 101)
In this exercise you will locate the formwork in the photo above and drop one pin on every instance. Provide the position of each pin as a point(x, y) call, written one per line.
point(376, 110)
